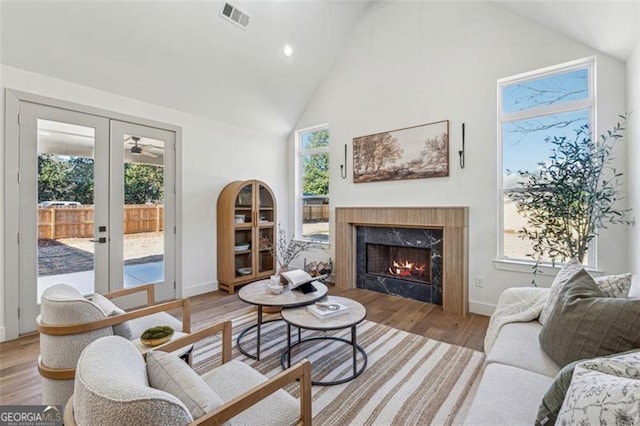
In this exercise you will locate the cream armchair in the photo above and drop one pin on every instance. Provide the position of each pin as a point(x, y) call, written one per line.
point(113, 386)
point(68, 322)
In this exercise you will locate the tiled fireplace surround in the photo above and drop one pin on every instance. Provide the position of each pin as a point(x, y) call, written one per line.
point(443, 231)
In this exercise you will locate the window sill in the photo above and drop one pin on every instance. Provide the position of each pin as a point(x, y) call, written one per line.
point(526, 266)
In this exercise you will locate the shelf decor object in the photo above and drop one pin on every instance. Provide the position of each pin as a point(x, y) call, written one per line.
point(246, 217)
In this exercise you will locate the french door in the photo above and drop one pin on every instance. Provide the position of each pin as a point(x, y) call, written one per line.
point(96, 202)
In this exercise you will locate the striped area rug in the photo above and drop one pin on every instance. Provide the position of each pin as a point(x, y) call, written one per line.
point(409, 379)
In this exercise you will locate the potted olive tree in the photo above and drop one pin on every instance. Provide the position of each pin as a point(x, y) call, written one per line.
point(571, 196)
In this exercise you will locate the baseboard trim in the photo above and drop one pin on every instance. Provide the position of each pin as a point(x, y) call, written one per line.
point(3, 334)
point(195, 290)
point(481, 308)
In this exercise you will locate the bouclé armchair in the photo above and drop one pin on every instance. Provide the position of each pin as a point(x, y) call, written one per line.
point(68, 322)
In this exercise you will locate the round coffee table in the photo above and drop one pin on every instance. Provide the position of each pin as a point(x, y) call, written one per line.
point(257, 293)
point(303, 319)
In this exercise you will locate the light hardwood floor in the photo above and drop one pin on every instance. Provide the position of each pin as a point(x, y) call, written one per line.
point(20, 381)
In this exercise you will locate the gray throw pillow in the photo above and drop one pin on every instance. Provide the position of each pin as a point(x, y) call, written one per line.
point(585, 324)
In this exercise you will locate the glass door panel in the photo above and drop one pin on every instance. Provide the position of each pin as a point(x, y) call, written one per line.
point(143, 210)
point(142, 213)
point(62, 205)
point(66, 247)
point(243, 219)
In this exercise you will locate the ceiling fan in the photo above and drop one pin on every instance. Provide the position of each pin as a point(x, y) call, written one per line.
point(137, 148)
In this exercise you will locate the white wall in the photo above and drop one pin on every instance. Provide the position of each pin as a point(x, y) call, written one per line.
point(633, 158)
point(410, 63)
point(214, 154)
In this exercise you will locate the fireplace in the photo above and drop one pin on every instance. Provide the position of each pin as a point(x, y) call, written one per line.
point(449, 260)
point(401, 261)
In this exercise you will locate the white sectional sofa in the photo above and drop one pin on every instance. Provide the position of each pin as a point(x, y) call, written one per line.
point(518, 372)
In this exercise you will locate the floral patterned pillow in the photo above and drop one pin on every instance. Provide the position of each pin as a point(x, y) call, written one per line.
point(603, 391)
point(614, 285)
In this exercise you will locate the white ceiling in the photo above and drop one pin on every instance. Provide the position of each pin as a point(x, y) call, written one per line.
point(612, 27)
point(184, 56)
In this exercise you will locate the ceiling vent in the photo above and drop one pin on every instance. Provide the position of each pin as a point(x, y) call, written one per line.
point(234, 15)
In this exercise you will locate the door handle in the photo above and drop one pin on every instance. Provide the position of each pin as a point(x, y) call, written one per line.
point(100, 240)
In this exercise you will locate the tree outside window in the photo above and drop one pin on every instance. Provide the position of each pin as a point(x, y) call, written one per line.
point(314, 185)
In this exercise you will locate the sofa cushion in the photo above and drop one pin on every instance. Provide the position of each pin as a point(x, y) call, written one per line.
point(584, 324)
point(169, 373)
point(235, 377)
point(507, 396)
point(517, 345)
point(604, 391)
point(565, 273)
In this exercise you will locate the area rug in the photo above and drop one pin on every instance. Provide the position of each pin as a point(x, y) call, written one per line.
point(409, 379)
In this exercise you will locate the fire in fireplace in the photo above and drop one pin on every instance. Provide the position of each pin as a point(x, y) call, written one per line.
point(401, 261)
point(408, 263)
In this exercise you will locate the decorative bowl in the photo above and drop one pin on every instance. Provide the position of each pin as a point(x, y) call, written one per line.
point(241, 247)
point(275, 288)
point(244, 271)
point(157, 335)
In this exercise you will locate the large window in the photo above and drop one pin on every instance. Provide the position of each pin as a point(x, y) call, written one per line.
point(532, 107)
point(312, 189)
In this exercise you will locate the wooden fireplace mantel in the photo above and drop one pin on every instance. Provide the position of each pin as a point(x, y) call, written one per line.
point(454, 222)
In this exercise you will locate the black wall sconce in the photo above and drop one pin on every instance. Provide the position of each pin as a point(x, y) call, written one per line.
point(343, 167)
point(461, 152)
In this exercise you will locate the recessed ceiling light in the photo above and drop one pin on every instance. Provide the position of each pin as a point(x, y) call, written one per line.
point(287, 50)
point(45, 133)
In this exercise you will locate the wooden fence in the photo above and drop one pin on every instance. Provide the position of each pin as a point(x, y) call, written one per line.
point(315, 213)
point(78, 222)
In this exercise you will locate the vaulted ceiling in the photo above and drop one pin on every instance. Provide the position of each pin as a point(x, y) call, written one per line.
point(182, 55)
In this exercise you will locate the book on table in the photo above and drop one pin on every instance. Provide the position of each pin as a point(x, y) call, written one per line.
point(301, 280)
point(328, 309)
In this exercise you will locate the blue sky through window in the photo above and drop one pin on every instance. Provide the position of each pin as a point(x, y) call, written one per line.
point(523, 145)
point(550, 90)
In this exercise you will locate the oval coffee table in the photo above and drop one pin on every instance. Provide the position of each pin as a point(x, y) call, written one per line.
point(257, 293)
point(303, 319)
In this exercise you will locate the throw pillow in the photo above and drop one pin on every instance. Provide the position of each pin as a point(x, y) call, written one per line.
point(614, 285)
point(584, 324)
point(604, 392)
point(555, 395)
point(565, 273)
point(111, 310)
point(169, 373)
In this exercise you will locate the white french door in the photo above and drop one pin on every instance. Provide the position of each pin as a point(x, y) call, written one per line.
point(96, 205)
point(142, 213)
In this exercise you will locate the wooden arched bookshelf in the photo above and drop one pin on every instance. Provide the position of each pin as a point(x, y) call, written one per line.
point(246, 219)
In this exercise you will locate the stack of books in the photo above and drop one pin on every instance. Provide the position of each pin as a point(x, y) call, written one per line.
point(327, 309)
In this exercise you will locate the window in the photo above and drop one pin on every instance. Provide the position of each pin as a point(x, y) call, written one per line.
point(552, 102)
point(312, 189)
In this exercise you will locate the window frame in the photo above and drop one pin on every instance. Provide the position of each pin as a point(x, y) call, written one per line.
point(298, 193)
point(589, 103)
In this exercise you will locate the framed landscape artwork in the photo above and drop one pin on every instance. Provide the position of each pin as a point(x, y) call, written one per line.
point(413, 153)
